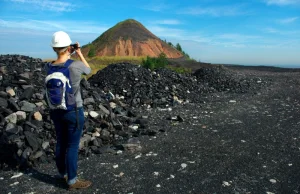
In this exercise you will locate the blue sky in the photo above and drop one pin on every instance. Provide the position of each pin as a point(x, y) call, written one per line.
point(252, 32)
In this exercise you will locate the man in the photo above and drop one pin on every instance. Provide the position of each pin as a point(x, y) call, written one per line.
point(69, 123)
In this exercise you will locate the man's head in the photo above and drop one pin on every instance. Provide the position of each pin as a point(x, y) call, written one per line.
point(61, 42)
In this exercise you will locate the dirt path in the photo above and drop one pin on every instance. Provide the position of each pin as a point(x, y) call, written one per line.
point(241, 143)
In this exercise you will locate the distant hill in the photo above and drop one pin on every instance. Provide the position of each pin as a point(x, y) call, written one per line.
point(129, 38)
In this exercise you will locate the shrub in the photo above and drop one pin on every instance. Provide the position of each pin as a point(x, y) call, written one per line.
point(92, 51)
point(155, 62)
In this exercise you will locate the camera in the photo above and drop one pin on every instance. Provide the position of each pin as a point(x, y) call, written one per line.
point(74, 46)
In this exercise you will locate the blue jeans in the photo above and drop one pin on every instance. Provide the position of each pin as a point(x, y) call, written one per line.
point(68, 133)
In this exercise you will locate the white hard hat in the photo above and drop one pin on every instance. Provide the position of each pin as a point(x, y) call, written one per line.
point(60, 39)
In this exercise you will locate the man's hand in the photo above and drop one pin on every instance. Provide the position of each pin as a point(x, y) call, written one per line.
point(78, 50)
point(80, 55)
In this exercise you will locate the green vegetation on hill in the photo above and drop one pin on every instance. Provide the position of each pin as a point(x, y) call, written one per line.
point(179, 48)
point(155, 62)
point(162, 62)
point(92, 50)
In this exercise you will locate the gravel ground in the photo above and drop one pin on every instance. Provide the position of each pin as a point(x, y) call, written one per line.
point(232, 143)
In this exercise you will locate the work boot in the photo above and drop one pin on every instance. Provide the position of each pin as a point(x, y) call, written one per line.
point(80, 184)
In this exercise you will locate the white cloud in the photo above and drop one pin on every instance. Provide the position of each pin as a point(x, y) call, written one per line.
point(288, 20)
point(167, 22)
point(282, 2)
point(281, 32)
point(50, 5)
point(166, 32)
point(156, 7)
point(238, 37)
point(215, 11)
point(270, 30)
point(68, 26)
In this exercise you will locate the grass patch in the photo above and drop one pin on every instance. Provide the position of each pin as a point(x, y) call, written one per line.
point(106, 60)
point(180, 69)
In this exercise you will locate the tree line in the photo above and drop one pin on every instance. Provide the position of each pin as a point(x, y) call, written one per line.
point(178, 47)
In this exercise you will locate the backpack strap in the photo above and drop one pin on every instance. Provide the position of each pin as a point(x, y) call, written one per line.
point(68, 63)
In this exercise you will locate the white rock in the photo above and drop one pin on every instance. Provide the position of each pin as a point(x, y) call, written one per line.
point(115, 166)
point(21, 115)
point(273, 181)
point(96, 134)
point(172, 176)
point(15, 183)
point(45, 145)
point(156, 173)
point(270, 192)
point(1, 178)
point(133, 127)
point(112, 105)
point(16, 175)
point(119, 152)
point(243, 141)
point(158, 185)
point(183, 165)
point(37, 116)
point(138, 156)
point(225, 184)
point(93, 114)
point(10, 91)
point(232, 101)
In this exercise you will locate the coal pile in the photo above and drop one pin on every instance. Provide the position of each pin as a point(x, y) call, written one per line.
point(27, 135)
point(140, 86)
point(220, 78)
point(163, 87)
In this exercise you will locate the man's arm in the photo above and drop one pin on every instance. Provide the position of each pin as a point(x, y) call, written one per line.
point(80, 55)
